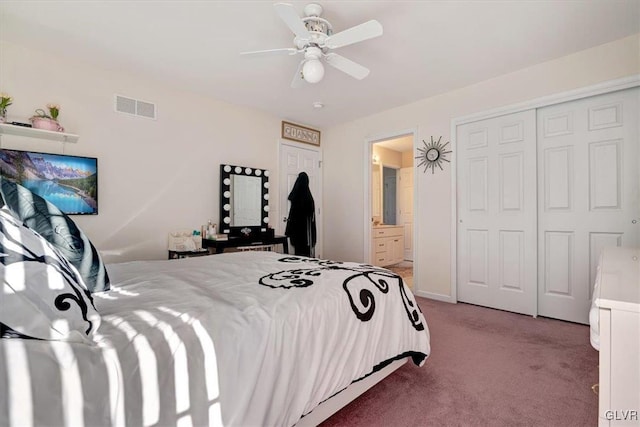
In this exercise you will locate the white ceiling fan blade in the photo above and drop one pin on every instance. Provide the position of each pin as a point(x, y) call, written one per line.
point(290, 17)
point(283, 51)
point(366, 31)
point(298, 79)
point(345, 65)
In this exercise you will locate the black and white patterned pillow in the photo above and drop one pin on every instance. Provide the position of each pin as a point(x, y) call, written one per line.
point(59, 230)
point(42, 296)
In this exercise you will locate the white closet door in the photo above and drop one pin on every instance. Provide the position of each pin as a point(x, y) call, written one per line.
point(497, 239)
point(376, 192)
point(587, 195)
point(405, 209)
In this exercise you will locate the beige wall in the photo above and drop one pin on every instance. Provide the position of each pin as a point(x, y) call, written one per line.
point(407, 159)
point(387, 157)
point(343, 220)
point(155, 176)
point(163, 175)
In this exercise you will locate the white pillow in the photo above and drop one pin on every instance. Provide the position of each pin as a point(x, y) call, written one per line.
point(41, 294)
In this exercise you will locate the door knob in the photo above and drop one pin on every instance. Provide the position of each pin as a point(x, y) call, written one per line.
point(633, 221)
point(284, 219)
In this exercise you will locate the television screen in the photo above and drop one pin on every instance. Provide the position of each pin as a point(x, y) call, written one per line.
point(69, 182)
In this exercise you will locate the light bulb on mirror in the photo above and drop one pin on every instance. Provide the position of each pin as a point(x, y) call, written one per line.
point(313, 71)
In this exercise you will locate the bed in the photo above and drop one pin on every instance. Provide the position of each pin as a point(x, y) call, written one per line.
point(246, 339)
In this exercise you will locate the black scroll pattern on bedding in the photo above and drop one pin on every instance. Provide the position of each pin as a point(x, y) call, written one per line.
point(359, 284)
point(29, 256)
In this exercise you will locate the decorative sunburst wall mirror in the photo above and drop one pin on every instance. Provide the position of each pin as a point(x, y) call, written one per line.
point(432, 155)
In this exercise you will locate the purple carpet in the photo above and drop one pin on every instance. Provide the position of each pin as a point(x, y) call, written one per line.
point(487, 368)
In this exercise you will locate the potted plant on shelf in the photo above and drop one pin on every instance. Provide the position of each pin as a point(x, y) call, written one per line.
point(5, 101)
point(42, 120)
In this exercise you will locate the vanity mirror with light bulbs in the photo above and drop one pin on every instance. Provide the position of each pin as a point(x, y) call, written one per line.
point(244, 201)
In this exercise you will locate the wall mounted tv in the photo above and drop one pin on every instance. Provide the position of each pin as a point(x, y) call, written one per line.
point(69, 182)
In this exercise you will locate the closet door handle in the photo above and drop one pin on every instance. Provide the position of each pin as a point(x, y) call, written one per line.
point(633, 221)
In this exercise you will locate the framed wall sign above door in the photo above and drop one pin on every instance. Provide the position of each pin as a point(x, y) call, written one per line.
point(299, 133)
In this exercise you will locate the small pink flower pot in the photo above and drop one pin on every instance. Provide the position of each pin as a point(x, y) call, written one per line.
point(46, 124)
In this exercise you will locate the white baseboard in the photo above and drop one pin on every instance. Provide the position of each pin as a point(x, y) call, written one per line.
point(438, 297)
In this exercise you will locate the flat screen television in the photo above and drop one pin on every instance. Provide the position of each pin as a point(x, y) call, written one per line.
point(69, 182)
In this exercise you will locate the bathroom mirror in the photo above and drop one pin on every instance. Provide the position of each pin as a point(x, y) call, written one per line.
point(383, 194)
point(244, 200)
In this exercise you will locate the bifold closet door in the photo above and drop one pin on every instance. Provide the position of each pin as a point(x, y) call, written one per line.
point(497, 238)
point(588, 196)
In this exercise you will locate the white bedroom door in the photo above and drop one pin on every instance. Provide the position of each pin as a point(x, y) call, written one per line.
point(497, 239)
point(588, 162)
point(405, 209)
point(293, 160)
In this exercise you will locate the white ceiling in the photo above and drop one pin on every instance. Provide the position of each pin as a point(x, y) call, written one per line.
point(428, 47)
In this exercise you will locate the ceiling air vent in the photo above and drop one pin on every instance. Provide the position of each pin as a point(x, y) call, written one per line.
point(135, 107)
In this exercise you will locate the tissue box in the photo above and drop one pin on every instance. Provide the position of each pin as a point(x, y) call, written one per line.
point(183, 241)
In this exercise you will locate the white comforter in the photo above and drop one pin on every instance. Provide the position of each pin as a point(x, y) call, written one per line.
point(242, 339)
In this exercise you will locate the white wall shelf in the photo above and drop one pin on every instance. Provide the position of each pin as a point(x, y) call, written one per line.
point(7, 129)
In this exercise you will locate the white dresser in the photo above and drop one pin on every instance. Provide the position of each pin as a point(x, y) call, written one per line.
point(388, 245)
point(615, 327)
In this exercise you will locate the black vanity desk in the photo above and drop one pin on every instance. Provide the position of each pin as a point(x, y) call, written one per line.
point(234, 242)
point(187, 254)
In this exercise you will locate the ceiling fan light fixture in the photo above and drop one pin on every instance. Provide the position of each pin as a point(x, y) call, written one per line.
point(314, 36)
point(313, 71)
point(313, 9)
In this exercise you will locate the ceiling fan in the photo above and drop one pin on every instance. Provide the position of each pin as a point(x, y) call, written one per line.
point(315, 38)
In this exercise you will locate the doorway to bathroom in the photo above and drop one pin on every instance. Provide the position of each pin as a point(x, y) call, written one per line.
point(391, 231)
